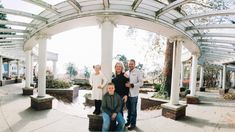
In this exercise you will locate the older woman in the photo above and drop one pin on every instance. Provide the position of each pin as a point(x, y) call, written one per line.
point(119, 81)
point(98, 82)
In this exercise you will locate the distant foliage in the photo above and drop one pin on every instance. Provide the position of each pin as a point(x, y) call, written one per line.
point(71, 70)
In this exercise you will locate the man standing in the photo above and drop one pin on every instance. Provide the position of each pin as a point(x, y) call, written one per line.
point(134, 84)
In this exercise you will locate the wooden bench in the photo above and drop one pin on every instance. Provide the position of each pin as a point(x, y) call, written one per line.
point(96, 122)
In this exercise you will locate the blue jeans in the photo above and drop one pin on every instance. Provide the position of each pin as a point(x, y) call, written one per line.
point(132, 110)
point(107, 120)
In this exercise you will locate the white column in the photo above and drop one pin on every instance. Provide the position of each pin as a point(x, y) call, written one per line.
point(42, 49)
point(18, 69)
point(201, 77)
point(175, 88)
point(9, 69)
point(28, 68)
point(107, 48)
point(54, 69)
point(31, 72)
point(182, 74)
point(220, 78)
point(1, 76)
point(233, 79)
point(193, 76)
point(224, 76)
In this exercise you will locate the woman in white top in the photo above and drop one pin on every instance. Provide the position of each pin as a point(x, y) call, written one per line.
point(98, 82)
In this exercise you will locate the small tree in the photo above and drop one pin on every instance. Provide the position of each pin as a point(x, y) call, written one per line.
point(86, 72)
point(71, 70)
point(123, 59)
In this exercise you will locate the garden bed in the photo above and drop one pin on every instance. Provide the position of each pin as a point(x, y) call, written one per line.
point(151, 103)
point(11, 81)
point(67, 95)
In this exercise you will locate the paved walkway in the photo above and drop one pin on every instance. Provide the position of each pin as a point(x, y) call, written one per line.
point(213, 115)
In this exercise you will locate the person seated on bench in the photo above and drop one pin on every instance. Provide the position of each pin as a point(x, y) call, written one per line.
point(111, 107)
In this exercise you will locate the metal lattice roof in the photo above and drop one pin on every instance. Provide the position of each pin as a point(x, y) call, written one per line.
point(213, 40)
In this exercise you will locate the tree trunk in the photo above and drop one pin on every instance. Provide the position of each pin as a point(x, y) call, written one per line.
point(167, 73)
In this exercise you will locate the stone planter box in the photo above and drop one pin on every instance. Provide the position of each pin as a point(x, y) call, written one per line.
point(70, 94)
point(147, 103)
point(88, 100)
point(6, 82)
point(96, 122)
point(19, 80)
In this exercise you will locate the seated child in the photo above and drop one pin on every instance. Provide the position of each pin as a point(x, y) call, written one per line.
point(111, 107)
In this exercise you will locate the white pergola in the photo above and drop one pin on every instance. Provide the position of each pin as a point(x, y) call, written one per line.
point(210, 43)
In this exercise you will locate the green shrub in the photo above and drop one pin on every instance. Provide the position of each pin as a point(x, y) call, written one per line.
point(157, 86)
point(81, 82)
point(55, 83)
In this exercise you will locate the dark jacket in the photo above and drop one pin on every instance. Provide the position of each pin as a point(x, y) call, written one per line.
point(111, 103)
point(119, 82)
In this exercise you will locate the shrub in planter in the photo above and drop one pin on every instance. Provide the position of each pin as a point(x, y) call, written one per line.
point(55, 83)
point(81, 82)
point(157, 86)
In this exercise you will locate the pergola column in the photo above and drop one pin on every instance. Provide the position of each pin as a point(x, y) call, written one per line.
point(18, 69)
point(182, 75)
point(224, 76)
point(1, 75)
point(233, 79)
point(9, 69)
point(173, 109)
point(107, 28)
point(31, 72)
point(192, 99)
point(54, 69)
point(28, 69)
point(42, 101)
point(201, 79)
point(220, 78)
point(42, 49)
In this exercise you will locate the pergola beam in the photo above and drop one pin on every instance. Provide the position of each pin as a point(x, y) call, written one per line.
point(44, 5)
point(10, 40)
point(221, 51)
point(216, 55)
point(15, 23)
point(21, 13)
point(106, 4)
point(171, 6)
point(136, 4)
point(217, 46)
point(228, 35)
point(204, 15)
point(213, 26)
point(12, 36)
point(217, 41)
point(13, 30)
point(11, 43)
point(75, 5)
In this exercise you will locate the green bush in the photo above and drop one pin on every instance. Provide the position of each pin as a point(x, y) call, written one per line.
point(157, 86)
point(55, 83)
point(81, 82)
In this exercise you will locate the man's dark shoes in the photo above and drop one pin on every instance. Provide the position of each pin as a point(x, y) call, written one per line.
point(131, 128)
point(127, 124)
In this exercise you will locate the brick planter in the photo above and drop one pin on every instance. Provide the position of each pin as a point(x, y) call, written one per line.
point(96, 122)
point(19, 80)
point(202, 89)
point(27, 91)
point(147, 103)
point(41, 103)
point(192, 100)
point(6, 82)
point(174, 112)
point(70, 94)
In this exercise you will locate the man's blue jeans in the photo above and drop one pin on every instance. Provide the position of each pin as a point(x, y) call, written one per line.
point(132, 110)
point(107, 120)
